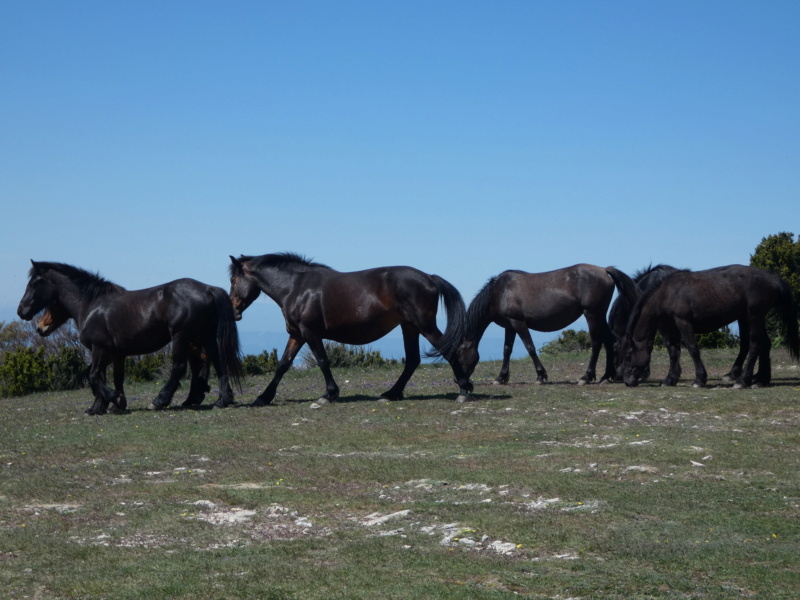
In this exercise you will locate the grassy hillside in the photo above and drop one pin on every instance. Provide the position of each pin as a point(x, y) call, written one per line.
point(553, 491)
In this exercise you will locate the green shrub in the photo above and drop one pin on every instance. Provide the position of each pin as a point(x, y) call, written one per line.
point(24, 371)
point(148, 367)
point(343, 355)
point(721, 338)
point(569, 341)
point(266, 362)
point(68, 369)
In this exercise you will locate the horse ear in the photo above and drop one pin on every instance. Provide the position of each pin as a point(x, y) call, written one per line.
point(236, 263)
point(36, 267)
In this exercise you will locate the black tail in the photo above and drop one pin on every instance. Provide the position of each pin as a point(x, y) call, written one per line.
point(787, 313)
point(621, 309)
point(228, 338)
point(456, 320)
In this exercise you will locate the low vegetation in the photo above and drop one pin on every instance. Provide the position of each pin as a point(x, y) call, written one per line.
point(533, 491)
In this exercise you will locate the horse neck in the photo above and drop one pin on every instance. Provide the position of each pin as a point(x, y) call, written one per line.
point(277, 283)
point(76, 303)
point(646, 321)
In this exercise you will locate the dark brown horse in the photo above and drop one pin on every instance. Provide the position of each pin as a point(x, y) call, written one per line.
point(114, 323)
point(687, 303)
point(646, 281)
point(519, 301)
point(320, 303)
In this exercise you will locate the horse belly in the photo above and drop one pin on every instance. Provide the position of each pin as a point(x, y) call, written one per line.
point(360, 334)
point(554, 320)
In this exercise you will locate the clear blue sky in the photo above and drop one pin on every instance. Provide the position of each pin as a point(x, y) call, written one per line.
point(150, 140)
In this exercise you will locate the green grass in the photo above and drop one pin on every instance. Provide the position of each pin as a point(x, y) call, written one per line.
point(553, 491)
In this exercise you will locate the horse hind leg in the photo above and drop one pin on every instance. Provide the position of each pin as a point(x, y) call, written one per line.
point(413, 360)
point(118, 401)
point(180, 352)
point(521, 329)
point(600, 336)
point(744, 348)
point(199, 364)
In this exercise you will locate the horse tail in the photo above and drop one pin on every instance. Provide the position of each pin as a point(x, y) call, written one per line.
point(230, 352)
point(456, 319)
point(628, 295)
point(787, 312)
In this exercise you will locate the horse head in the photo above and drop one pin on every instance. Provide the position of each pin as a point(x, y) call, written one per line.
point(468, 356)
point(635, 360)
point(39, 292)
point(244, 287)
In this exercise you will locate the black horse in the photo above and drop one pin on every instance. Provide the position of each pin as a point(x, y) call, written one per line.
point(320, 303)
point(114, 323)
point(519, 301)
point(690, 302)
point(645, 280)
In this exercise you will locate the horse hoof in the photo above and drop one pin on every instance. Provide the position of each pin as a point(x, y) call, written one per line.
point(383, 400)
point(582, 382)
point(154, 406)
point(462, 398)
point(738, 386)
point(499, 382)
point(322, 401)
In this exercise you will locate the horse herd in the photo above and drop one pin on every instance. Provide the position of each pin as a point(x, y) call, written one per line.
point(320, 303)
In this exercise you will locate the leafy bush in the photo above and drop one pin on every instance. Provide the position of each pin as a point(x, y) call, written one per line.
point(24, 371)
point(266, 362)
point(342, 355)
point(149, 367)
point(569, 341)
point(68, 369)
point(722, 338)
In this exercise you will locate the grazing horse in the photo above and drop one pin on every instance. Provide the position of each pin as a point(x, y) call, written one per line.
point(114, 323)
point(690, 302)
point(320, 303)
point(644, 280)
point(519, 301)
point(647, 280)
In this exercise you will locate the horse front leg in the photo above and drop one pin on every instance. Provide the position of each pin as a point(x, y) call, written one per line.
point(180, 353)
point(521, 330)
point(687, 333)
point(293, 346)
point(508, 347)
point(97, 381)
point(672, 340)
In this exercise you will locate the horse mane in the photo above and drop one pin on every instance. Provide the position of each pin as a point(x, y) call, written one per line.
point(651, 285)
point(477, 311)
point(278, 260)
point(653, 275)
point(91, 284)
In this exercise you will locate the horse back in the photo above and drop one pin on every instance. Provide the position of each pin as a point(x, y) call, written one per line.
point(143, 321)
point(551, 300)
point(716, 297)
